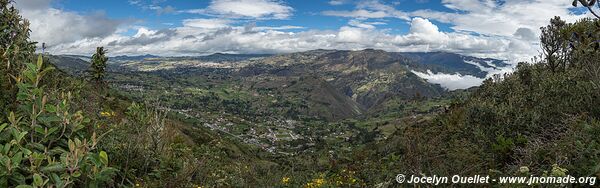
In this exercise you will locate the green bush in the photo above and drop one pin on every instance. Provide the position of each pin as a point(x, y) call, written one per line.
point(44, 143)
point(15, 48)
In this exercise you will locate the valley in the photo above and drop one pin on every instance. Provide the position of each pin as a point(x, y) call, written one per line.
point(277, 93)
point(289, 103)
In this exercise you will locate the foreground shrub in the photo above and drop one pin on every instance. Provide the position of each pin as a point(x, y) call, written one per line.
point(44, 143)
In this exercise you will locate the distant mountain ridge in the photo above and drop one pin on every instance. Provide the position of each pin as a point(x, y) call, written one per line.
point(216, 57)
point(437, 62)
point(455, 63)
point(133, 58)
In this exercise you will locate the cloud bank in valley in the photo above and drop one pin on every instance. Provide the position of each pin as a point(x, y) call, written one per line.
point(459, 81)
point(450, 81)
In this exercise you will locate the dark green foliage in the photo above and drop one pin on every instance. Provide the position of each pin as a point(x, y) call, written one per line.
point(44, 144)
point(98, 66)
point(42, 138)
point(554, 45)
point(15, 48)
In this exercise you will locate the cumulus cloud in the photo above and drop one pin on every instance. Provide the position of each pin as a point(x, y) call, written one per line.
point(526, 34)
point(501, 18)
point(55, 26)
point(223, 34)
point(144, 36)
point(254, 9)
point(420, 26)
point(350, 34)
point(425, 36)
point(205, 36)
point(507, 29)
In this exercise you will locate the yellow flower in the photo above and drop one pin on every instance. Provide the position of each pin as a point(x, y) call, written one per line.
point(309, 185)
point(107, 114)
point(285, 180)
point(316, 182)
point(137, 184)
point(319, 182)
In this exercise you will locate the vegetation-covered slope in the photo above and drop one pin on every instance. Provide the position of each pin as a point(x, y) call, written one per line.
point(319, 118)
point(541, 120)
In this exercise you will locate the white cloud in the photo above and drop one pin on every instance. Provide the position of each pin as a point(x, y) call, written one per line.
point(450, 81)
point(505, 29)
point(205, 36)
point(526, 34)
point(350, 34)
point(207, 23)
point(337, 2)
point(458, 81)
point(143, 31)
point(423, 26)
point(365, 25)
point(481, 67)
point(468, 5)
point(502, 18)
point(254, 9)
point(54, 26)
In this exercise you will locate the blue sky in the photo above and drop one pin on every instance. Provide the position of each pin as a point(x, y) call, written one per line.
point(506, 29)
point(307, 14)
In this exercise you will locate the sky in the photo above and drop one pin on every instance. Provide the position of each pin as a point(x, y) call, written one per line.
point(504, 29)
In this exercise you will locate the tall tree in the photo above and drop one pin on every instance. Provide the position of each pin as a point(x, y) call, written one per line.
point(98, 67)
point(554, 45)
point(15, 49)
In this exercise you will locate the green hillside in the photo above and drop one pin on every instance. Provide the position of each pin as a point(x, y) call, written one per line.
point(320, 118)
point(540, 120)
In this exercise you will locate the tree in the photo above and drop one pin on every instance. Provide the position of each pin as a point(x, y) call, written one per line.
point(554, 45)
point(98, 67)
point(15, 48)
